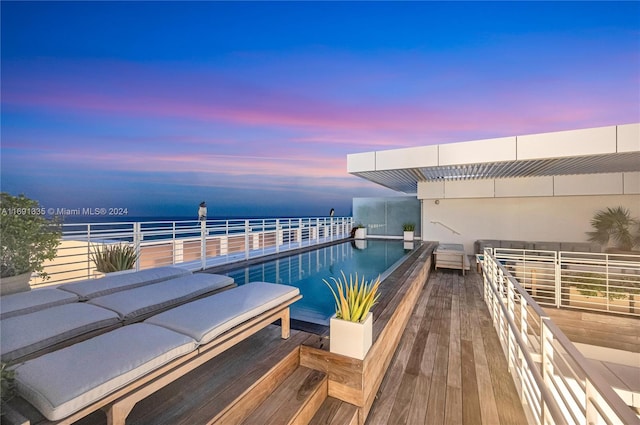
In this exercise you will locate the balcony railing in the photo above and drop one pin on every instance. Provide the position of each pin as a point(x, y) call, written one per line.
point(555, 382)
point(192, 244)
point(598, 282)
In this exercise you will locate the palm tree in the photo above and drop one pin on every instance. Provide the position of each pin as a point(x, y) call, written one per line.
point(614, 224)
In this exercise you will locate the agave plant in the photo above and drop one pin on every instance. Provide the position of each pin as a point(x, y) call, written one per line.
point(616, 225)
point(354, 297)
point(113, 258)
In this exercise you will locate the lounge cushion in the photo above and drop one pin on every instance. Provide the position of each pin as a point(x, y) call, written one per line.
point(28, 333)
point(92, 288)
point(64, 381)
point(133, 303)
point(206, 318)
point(38, 299)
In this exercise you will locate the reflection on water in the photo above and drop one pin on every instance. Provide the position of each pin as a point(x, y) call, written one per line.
point(306, 271)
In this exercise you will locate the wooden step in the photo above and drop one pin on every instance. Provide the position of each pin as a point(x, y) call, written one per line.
point(294, 402)
point(335, 412)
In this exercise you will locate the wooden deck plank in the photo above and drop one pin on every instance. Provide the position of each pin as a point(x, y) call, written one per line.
point(335, 412)
point(486, 398)
point(453, 381)
point(288, 398)
point(392, 380)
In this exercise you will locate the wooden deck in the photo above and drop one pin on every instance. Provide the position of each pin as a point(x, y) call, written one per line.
point(449, 367)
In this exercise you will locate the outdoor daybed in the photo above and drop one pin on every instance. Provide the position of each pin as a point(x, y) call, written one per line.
point(115, 370)
point(38, 299)
point(51, 328)
point(451, 256)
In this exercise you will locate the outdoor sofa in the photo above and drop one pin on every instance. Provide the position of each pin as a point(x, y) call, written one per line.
point(115, 370)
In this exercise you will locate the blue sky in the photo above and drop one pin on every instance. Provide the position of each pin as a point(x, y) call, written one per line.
point(253, 107)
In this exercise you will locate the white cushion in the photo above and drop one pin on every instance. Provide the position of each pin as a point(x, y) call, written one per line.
point(92, 288)
point(28, 333)
point(136, 302)
point(206, 318)
point(65, 381)
point(38, 299)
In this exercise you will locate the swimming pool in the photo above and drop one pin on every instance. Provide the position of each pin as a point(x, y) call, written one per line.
point(370, 258)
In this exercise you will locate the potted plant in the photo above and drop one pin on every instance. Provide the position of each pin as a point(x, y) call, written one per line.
point(359, 231)
point(614, 229)
point(27, 239)
point(114, 258)
point(408, 228)
point(351, 328)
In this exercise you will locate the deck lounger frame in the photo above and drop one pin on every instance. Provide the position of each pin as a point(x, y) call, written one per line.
point(119, 403)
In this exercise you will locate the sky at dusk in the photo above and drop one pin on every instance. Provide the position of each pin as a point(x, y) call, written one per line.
point(253, 107)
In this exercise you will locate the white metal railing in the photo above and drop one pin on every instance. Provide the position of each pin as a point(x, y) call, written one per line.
point(193, 244)
point(555, 383)
point(600, 282)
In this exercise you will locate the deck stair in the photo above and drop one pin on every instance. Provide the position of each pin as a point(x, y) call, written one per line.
point(294, 401)
point(335, 412)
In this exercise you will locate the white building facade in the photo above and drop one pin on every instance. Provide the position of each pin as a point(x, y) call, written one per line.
point(538, 187)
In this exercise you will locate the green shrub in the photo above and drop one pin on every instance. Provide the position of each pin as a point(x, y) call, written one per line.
point(27, 238)
point(408, 227)
point(7, 390)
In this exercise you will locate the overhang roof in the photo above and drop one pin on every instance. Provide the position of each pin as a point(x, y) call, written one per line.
point(588, 151)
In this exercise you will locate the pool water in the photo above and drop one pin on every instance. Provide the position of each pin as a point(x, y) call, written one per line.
point(370, 258)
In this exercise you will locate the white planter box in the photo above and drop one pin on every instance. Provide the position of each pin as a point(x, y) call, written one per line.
point(361, 233)
point(408, 236)
point(350, 338)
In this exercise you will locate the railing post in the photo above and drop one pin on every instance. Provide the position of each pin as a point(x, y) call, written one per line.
point(278, 235)
point(590, 412)
point(88, 251)
point(203, 244)
point(557, 261)
point(137, 239)
point(247, 229)
point(546, 348)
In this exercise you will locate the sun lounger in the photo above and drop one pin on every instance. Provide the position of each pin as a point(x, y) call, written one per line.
point(49, 329)
point(115, 370)
point(27, 334)
point(30, 301)
point(135, 304)
point(91, 288)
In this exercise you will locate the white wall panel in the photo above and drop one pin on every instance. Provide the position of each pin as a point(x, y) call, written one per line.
point(561, 144)
point(430, 190)
point(589, 184)
point(423, 156)
point(524, 186)
point(551, 219)
point(631, 183)
point(629, 138)
point(365, 161)
point(469, 189)
point(489, 150)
